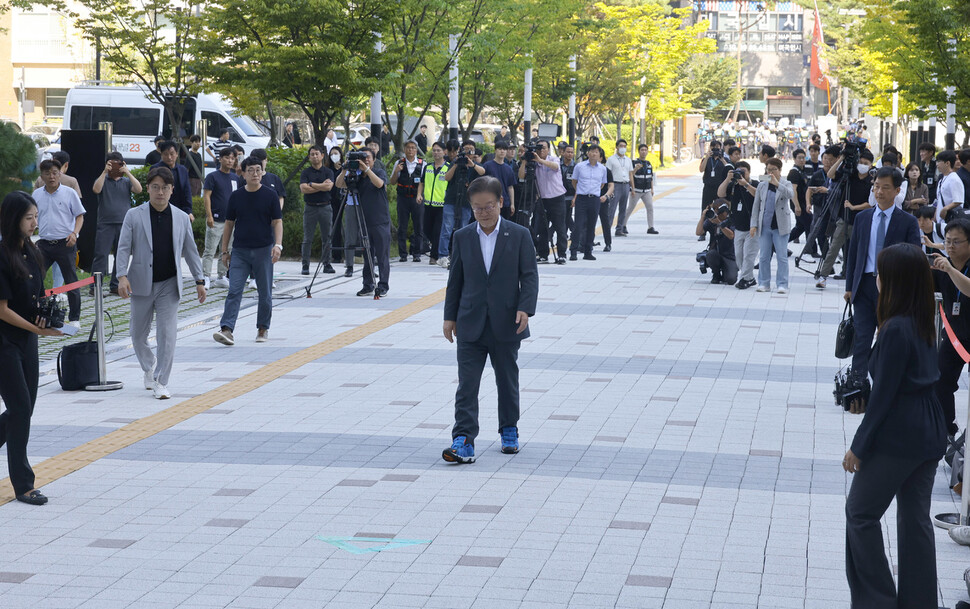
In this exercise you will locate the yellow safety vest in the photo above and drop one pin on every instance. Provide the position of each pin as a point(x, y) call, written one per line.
point(434, 184)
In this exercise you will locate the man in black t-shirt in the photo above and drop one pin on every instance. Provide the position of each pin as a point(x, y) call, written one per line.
point(372, 197)
point(421, 140)
point(855, 201)
point(799, 176)
point(194, 163)
point(740, 194)
point(254, 225)
point(712, 170)
point(956, 306)
point(316, 184)
point(720, 251)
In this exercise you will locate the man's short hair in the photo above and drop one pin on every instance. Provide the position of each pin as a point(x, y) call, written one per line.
point(318, 148)
point(730, 142)
point(890, 158)
point(743, 164)
point(928, 212)
point(478, 151)
point(797, 152)
point(423, 127)
point(769, 151)
point(114, 155)
point(62, 157)
point(715, 143)
point(239, 149)
point(867, 154)
point(892, 174)
point(195, 137)
point(161, 172)
point(158, 138)
point(620, 141)
point(485, 184)
point(410, 143)
point(597, 148)
point(260, 153)
point(957, 223)
point(371, 140)
point(730, 151)
point(501, 146)
point(833, 151)
point(774, 162)
point(814, 148)
point(438, 144)
point(48, 164)
point(642, 146)
point(594, 138)
point(453, 146)
point(249, 161)
point(227, 151)
point(166, 145)
point(927, 146)
point(964, 156)
point(468, 143)
point(947, 156)
point(223, 131)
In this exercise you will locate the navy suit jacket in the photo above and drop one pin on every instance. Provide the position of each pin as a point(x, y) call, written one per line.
point(903, 228)
point(182, 194)
point(474, 294)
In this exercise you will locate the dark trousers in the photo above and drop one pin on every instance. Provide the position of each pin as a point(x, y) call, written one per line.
point(409, 210)
point(871, 586)
point(380, 247)
point(951, 367)
point(18, 389)
point(337, 243)
point(569, 213)
point(106, 242)
point(57, 252)
point(506, 212)
point(584, 229)
point(864, 303)
point(432, 227)
point(316, 216)
point(606, 221)
point(707, 196)
point(555, 209)
point(471, 363)
point(722, 269)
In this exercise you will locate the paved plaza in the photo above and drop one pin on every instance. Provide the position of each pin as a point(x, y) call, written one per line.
point(680, 449)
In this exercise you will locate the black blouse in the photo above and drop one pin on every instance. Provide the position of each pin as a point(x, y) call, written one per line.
point(21, 295)
point(903, 417)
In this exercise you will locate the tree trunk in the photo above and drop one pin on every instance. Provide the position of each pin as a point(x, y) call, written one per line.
point(274, 137)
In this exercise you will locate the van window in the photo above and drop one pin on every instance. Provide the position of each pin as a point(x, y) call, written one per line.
point(248, 126)
point(125, 121)
point(217, 123)
point(188, 119)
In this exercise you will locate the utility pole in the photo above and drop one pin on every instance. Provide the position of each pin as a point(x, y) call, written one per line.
point(951, 109)
point(453, 91)
point(572, 103)
point(527, 107)
point(375, 105)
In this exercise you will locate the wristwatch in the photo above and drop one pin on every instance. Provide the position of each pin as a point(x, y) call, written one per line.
point(200, 282)
point(280, 246)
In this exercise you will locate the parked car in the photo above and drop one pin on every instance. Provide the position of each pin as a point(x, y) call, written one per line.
point(358, 133)
point(51, 131)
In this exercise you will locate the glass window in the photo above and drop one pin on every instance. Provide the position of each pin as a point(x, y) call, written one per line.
point(125, 121)
point(217, 123)
point(54, 104)
point(248, 126)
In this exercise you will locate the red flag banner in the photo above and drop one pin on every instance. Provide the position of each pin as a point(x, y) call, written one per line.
point(819, 67)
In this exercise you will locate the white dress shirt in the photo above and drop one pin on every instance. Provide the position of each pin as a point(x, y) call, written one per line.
point(488, 243)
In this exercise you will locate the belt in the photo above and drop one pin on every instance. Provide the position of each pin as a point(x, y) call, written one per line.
point(54, 240)
point(582, 195)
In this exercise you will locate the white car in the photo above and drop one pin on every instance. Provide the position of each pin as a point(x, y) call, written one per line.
point(357, 135)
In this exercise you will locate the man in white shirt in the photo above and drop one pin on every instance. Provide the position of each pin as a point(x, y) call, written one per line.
point(330, 142)
point(949, 187)
point(622, 168)
point(60, 216)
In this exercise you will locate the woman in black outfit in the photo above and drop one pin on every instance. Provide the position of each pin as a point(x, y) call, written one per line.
point(335, 161)
point(898, 444)
point(21, 284)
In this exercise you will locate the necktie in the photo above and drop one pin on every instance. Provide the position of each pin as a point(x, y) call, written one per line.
point(881, 232)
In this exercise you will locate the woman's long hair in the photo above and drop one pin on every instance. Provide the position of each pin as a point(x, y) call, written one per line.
point(906, 177)
point(906, 288)
point(12, 211)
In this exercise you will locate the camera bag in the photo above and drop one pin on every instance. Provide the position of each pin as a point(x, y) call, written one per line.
point(77, 364)
point(846, 334)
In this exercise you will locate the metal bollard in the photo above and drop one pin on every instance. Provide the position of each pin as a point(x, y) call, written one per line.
point(103, 384)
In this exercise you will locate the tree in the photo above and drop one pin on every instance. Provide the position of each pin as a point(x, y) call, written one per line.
point(709, 82)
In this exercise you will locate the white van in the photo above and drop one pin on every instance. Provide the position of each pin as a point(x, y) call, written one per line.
point(137, 120)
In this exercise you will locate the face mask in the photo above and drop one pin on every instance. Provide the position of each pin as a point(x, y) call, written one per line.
point(335, 158)
point(621, 150)
point(862, 168)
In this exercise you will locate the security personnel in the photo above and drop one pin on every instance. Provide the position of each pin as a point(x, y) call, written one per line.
point(643, 182)
point(432, 195)
point(407, 175)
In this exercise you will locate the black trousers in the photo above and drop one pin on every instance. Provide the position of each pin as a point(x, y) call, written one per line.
point(951, 367)
point(18, 389)
point(471, 363)
point(722, 269)
point(432, 227)
point(337, 243)
point(57, 252)
point(380, 247)
point(605, 222)
point(864, 303)
point(409, 210)
point(878, 481)
point(555, 209)
point(584, 230)
point(105, 242)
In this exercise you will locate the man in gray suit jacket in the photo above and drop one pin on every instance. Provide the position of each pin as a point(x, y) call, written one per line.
point(154, 239)
point(492, 290)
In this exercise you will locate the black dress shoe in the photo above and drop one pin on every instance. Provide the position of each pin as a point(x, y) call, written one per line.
point(366, 292)
point(839, 277)
point(34, 497)
point(402, 259)
point(416, 259)
point(560, 260)
point(589, 257)
point(381, 292)
point(608, 248)
point(542, 259)
point(652, 231)
point(572, 256)
point(305, 270)
point(328, 269)
point(349, 272)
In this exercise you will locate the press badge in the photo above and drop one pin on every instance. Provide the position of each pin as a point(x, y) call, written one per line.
point(956, 308)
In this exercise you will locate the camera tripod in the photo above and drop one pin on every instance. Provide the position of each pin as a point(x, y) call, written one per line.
point(833, 202)
point(350, 198)
point(530, 215)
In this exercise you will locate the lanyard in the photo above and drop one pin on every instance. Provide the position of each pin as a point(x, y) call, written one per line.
point(966, 273)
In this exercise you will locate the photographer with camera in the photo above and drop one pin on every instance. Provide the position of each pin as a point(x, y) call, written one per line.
point(407, 176)
point(589, 177)
point(740, 193)
point(457, 213)
point(21, 287)
point(114, 188)
point(799, 176)
point(712, 167)
point(872, 231)
point(372, 197)
point(719, 257)
point(856, 199)
point(896, 449)
point(771, 222)
point(501, 171)
point(552, 197)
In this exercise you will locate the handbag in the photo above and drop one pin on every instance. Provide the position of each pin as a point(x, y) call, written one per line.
point(77, 364)
point(846, 334)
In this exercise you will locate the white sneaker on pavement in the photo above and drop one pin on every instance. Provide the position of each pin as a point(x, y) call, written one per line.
point(220, 282)
point(782, 290)
point(161, 392)
point(207, 283)
point(763, 288)
point(443, 262)
point(150, 380)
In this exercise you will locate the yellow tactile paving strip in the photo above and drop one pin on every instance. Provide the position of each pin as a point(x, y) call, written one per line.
point(70, 461)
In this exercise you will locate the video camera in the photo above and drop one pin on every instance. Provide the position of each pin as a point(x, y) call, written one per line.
point(50, 311)
point(530, 153)
point(850, 388)
point(852, 146)
point(701, 259)
point(353, 168)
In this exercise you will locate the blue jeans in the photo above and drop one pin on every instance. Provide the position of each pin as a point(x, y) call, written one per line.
point(770, 237)
point(448, 226)
point(259, 263)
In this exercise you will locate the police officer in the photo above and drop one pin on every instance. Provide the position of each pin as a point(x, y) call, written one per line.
point(407, 176)
point(432, 195)
point(643, 183)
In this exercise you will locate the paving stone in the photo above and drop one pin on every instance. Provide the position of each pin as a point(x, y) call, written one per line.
point(272, 581)
point(9, 577)
point(111, 543)
point(479, 561)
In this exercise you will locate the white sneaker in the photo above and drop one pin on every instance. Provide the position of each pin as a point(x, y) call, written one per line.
point(220, 282)
point(252, 283)
point(820, 284)
point(961, 535)
point(763, 288)
point(161, 392)
point(150, 379)
point(73, 324)
point(207, 282)
point(274, 285)
point(782, 290)
point(443, 262)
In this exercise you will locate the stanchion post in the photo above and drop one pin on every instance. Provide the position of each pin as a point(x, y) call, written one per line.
point(103, 383)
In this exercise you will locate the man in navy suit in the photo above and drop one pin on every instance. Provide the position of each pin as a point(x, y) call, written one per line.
point(874, 229)
point(492, 290)
point(182, 192)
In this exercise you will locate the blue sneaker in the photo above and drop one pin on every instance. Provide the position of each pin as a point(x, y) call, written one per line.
point(510, 440)
point(461, 451)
